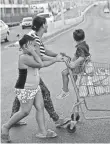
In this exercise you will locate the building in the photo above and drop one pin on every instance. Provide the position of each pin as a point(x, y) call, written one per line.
point(13, 8)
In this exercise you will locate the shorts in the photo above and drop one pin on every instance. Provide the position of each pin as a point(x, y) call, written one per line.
point(78, 69)
point(24, 95)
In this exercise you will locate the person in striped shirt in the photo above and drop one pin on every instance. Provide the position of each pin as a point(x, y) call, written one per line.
point(39, 27)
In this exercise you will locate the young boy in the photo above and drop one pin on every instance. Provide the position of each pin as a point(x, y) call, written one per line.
point(82, 52)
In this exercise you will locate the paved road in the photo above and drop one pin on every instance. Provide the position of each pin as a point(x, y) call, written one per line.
point(93, 131)
point(14, 31)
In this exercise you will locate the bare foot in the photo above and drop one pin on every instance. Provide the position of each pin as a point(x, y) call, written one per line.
point(5, 134)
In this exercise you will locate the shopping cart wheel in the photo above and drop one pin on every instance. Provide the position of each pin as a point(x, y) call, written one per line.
point(71, 130)
point(77, 116)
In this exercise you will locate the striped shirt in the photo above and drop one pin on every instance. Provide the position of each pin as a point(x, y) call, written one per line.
point(38, 41)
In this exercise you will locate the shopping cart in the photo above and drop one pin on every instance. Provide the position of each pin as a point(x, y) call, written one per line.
point(93, 80)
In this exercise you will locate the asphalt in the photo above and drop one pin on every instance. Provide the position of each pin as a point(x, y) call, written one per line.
point(97, 29)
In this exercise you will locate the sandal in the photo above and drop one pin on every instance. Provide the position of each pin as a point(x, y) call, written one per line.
point(50, 134)
point(62, 122)
point(5, 138)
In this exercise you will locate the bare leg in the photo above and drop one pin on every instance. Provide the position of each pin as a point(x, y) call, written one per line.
point(24, 111)
point(65, 78)
point(39, 105)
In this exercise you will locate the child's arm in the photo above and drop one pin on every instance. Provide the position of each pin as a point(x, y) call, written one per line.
point(73, 64)
point(36, 57)
point(31, 50)
point(74, 58)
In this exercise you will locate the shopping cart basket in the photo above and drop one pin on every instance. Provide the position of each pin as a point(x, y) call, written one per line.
point(93, 80)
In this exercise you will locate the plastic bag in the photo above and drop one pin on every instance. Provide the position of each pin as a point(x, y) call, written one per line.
point(106, 81)
point(96, 79)
point(91, 90)
point(89, 68)
point(78, 80)
point(89, 81)
point(107, 89)
point(99, 90)
point(83, 91)
point(84, 80)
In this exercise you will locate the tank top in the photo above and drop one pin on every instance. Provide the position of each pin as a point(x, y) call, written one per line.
point(28, 78)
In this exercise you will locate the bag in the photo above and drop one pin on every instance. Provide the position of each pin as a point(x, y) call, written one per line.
point(84, 80)
point(99, 90)
point(89, 68)
point(83, 91)
point(106, 81)
point(91, 90)
point(107, 89)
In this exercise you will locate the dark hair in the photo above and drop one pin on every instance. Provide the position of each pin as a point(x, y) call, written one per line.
point(25, 39)
point(38, 22)
point(78, 35)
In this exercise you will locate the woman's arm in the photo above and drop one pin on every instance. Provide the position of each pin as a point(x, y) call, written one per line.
point(29, 61)
point(50, 53)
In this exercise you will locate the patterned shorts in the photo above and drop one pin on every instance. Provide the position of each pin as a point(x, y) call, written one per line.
point(24, 95)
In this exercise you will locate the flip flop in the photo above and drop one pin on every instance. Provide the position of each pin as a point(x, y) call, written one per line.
point(50, 134)
point(5, 137)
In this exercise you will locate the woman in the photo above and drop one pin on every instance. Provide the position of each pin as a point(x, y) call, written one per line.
point(39, 27)
point(28, 91)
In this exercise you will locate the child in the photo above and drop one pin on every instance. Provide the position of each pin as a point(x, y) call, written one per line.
point(82, 52)
point(28, 91)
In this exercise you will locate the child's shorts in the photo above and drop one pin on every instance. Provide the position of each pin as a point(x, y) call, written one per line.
point(78, 69)
point(24, 95)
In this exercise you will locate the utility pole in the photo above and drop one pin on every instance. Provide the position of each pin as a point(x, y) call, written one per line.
point(62, 12)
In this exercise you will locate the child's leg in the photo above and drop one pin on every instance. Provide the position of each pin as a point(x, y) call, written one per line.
point(65, 91)
point(39, 105)
point(23, 112)
point(65, 78)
